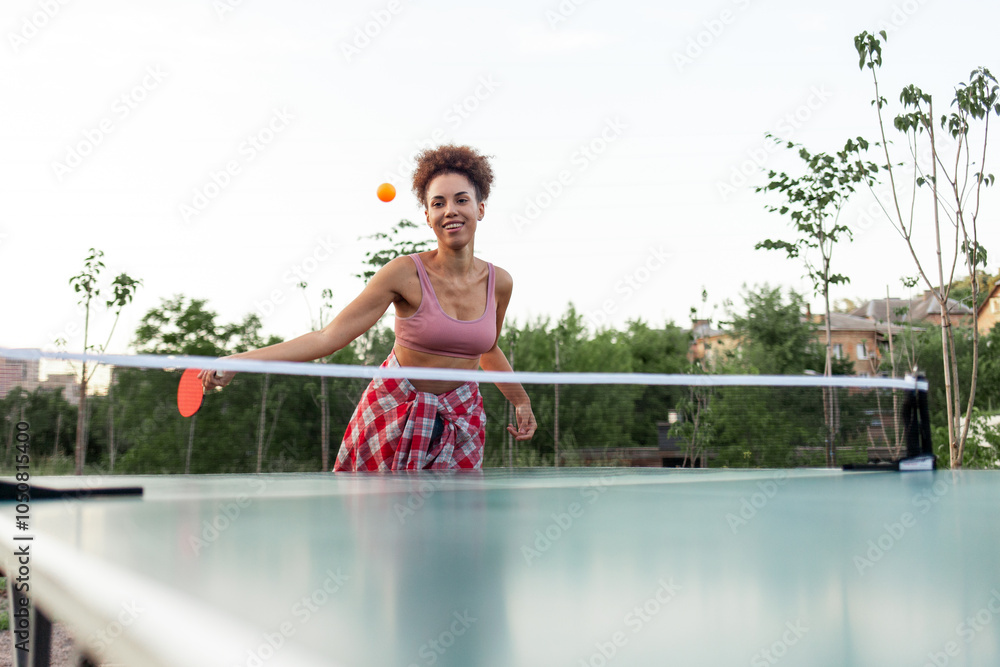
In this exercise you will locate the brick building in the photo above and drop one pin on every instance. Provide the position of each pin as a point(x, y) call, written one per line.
point(25, 374)
point(708, 344)
point(18, 373)
point(989, 312)
point(856, 339)
point(925, 310)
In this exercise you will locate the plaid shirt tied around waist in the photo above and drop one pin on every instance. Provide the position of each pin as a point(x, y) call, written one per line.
point(393, 425)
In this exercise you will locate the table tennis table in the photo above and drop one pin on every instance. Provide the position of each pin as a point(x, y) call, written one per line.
point(578, 567)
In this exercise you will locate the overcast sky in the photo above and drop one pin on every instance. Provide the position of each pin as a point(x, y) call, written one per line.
point(226, 149)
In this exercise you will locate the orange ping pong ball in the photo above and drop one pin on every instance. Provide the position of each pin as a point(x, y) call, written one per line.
point(386, 192)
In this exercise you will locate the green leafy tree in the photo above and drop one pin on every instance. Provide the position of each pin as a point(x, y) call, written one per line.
point(587, 417)
point(321, 388)
point(813, 202)
point(989, 370)
point(764, 426)
point(398, 245)
point(260, 422)
point(14, 408)
point(847, 304)
point(374, 345)
point(55, 417)
point(182, 326)
point(775, 338)
point(971, 295)
point(593, 415)
point(52, 420)
point(927, 344)
point(953, 187)
point(655, 351)
point(695, 425)
point(88, 288)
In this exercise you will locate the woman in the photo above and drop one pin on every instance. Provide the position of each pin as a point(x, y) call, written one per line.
point(450, 308)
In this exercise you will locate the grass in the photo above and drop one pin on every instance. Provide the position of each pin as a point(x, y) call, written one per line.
point(4, 618)
point(51, 465)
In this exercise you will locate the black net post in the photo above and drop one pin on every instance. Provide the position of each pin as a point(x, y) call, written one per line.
point(916, 423)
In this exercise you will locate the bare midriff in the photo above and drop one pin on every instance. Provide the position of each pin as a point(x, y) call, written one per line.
point(407, 357)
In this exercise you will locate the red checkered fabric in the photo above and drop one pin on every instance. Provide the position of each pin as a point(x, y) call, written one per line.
point(393, 425)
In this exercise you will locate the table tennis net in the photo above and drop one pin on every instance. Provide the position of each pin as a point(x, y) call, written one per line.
point(289, 417)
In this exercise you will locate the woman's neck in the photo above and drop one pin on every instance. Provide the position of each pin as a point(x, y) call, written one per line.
point(455, 262)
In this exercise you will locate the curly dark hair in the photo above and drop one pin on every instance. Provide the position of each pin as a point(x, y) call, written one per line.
point(452, 159)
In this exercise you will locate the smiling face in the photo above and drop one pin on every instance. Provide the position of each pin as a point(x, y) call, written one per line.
point(453, 210)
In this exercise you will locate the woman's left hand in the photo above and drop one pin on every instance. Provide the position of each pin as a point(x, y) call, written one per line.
point(525, 423)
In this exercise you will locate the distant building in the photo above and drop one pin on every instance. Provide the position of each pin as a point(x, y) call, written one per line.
point(989, 312)
point(68, 382)
point(25, 374)
point(861, 336)
point(709, 345)
point(861, 341)
point(925, 310)
point(856, 339)
point(18, 373)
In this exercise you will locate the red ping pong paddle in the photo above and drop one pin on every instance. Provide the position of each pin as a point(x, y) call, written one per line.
point(190, 392)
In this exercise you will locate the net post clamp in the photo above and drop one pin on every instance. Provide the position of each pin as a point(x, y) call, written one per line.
point(918, 463)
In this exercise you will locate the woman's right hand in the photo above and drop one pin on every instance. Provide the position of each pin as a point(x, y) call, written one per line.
point(215, 379)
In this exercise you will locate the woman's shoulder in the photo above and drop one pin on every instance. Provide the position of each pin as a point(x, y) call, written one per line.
point(397, 273)
point(504, 282)
point(400, 264)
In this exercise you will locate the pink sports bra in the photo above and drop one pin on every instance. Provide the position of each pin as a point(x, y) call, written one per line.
point(432, 330)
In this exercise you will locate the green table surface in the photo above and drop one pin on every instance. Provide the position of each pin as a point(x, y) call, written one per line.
point(546, 567)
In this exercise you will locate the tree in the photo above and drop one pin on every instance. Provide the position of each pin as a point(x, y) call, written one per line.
point(814, 202)
point(14, 408)
point(398, 247)
point(847, 304)
point(774, 336)
point(770, 426)
point(963, 289)
point(589, 416)
point(980, 450)
point(375, 344)
point(323, 402)
point(185, 327)
point(695, 423)
point(990, 371)
point(344, 356)
point(182, 326)
point(86, 285)
point(655, 351)
point(55, 417)
point(954, 197)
